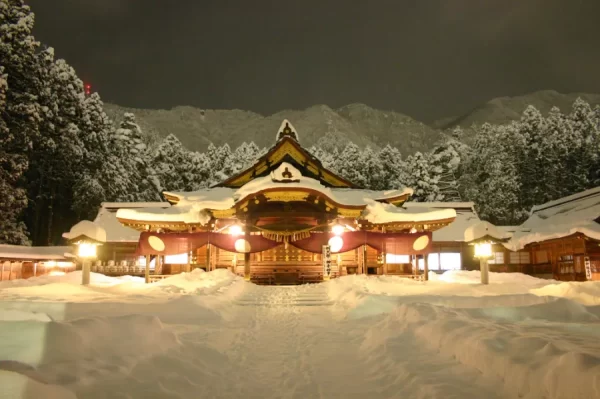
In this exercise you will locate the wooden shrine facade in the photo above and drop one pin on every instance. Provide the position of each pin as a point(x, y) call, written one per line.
point(272, 222)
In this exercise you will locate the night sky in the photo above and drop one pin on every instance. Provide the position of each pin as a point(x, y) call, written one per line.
point(425, 58)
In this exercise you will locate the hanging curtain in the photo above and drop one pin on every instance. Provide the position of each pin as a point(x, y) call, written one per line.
point(170, 243)
point(400, 243)
point(242, 243)
point(350, 240)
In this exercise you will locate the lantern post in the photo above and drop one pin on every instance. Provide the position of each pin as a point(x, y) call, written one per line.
point(483, 236)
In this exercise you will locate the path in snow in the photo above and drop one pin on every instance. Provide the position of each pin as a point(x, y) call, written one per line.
point(291, 344)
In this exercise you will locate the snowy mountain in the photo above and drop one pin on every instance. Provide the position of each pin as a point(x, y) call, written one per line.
point(358, 123)
point(501, 110)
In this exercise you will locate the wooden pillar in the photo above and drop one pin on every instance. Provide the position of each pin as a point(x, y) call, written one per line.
point(364, 259)
point(208, 258)
point(188, 266)
point(246, 256)
point(426, 266)
point(147, 270)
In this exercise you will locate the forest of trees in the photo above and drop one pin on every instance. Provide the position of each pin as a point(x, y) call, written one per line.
point(61, 156)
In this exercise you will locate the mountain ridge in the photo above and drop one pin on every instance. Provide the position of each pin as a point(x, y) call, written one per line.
point(356, 122)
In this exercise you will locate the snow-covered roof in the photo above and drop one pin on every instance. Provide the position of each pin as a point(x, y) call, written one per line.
point(560, 218)
point(380, 213)
point(21, 252)
point(88, 229)
point(115, 231)
point(455, 231)
point(485, 229)
point(194, 207)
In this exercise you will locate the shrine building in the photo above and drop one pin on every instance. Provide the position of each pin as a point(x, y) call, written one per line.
point(285, 219)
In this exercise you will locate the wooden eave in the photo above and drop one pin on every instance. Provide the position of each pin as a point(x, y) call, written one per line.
point(431, 225)
point(397, 200)
point(287, 146)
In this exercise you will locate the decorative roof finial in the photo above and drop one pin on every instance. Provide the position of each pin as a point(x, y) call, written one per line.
point(286, 129)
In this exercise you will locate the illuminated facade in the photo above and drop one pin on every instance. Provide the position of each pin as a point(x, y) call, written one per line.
point(286, 219)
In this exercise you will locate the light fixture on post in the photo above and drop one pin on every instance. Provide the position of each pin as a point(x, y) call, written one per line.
point(483, 236)
point(86, 236)
point(483, 252)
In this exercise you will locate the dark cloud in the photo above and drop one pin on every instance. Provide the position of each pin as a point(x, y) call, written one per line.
point(428, 58)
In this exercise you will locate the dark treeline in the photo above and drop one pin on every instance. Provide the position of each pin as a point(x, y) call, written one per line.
point(61, 156)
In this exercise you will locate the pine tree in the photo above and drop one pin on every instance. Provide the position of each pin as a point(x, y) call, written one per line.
point(13, 200)
point(22, 113)
point(128, 143)
point(445, 162)
point(558, 135)
point(221, 163)
point(534, 159)
point(349, 165)
point(492, 181)
point(584, 141)
point(421, 180)
point(199, 172)
point(244, 156)
point(372, 169)
point(169, 164)
point(393, 169)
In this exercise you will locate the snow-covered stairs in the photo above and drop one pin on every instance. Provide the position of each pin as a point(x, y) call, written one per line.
point(284, 296)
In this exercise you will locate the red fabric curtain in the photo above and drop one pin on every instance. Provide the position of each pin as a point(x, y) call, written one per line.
point(170, 243)
point(400, 243)
point(178, 243)
point(241, 243)
point(350, 240)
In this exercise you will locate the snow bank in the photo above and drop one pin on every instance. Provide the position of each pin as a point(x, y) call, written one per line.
point(474, 277)
point(198, 282)
point(36, 343)
point(68, 288)
point(587, 293)
point(531, 364)
point(17, 385)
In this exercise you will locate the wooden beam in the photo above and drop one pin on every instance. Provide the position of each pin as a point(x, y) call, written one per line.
point(426, 267)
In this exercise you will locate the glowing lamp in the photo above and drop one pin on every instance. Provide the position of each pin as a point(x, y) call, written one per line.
point(336, 243)
point(235, 230)
point(338, 229)
point(86, 250)
point(483, 250)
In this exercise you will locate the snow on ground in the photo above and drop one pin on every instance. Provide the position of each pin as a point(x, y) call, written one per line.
point(205, 335)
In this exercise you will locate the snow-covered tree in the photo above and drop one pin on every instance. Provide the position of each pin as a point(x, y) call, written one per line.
point(221, 162)
point(393, 169)
point(328, 158)
point(244, 156)
point(585, 141)
point(129, 144)
point(421, 180)
point(13, 200)
point(349, 165)
point(492, 181)
point(445, 161)
point(20, 111)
